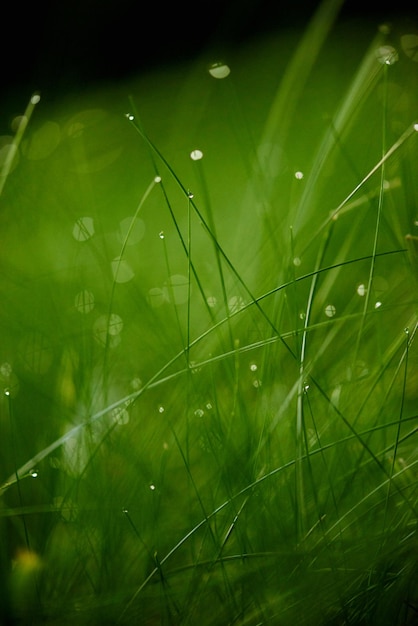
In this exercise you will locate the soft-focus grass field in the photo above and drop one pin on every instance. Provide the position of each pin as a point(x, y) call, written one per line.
point(208, 358)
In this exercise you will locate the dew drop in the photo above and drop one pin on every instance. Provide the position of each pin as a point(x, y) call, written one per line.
point(157, 179)
point(190, 194)
point(7, 392)
point(361, 290)
point(253, 367)
point(387, 55)
point(257, 383)
point(406, 331)
point(219, 70)
point(378, 305)
point(416, 127)
point(211, 300)
point(33, 473)
point(208, 406)
point(199, 413)
point(297, 261)
point(35, 98)
point(196, 155)
point(130, 117)
point(161, 409)
point(330, 310)
point(125, 511)
point(152, 487)
point(299, 175)
point(161, 234)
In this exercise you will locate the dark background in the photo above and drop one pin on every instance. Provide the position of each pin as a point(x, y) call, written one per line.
point(53, 46)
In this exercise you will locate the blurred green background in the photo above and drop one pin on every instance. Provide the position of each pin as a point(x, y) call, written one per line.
point(209, 305)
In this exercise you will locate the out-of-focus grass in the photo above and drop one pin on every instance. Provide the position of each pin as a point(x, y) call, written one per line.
point(209, 360)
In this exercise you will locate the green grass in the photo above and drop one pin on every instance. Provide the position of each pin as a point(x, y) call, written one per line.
point(210, 366)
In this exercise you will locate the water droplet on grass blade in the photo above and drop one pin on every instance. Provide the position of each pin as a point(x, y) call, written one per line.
point(387, 55)
point(196, 155)
point(219, 70)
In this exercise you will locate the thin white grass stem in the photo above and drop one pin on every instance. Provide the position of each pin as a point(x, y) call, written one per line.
point(14, 146)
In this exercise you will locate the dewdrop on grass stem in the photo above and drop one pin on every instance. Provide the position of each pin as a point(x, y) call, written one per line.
point(330, 310)
point(219, 70)
point(196, 155)
point(387, 55)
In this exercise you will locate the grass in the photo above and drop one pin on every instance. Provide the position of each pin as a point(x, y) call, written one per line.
point(209, 360)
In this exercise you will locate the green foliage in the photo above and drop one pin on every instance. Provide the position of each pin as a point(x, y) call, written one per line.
point(209, 364)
